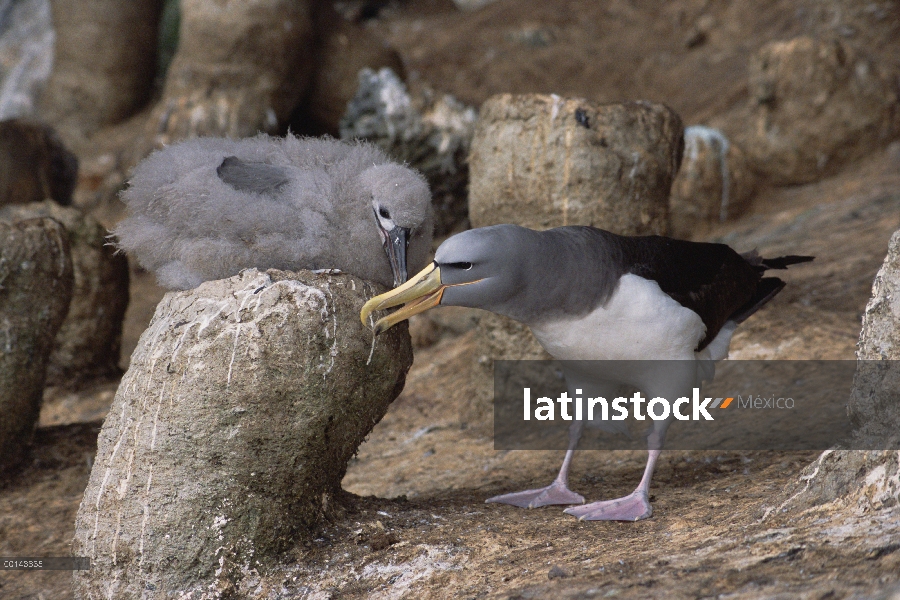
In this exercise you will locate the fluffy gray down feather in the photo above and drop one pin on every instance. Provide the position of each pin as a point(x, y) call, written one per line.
point(310, 205)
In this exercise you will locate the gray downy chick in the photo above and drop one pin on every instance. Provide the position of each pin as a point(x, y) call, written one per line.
point(207, 208)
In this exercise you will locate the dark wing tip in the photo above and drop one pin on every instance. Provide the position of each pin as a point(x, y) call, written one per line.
point(254, 177)
point(229, 163)
point(767, 289)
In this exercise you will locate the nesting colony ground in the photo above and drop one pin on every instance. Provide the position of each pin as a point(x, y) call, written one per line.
point(430, 462)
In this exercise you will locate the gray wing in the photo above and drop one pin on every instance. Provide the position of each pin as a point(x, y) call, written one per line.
point(255, 177)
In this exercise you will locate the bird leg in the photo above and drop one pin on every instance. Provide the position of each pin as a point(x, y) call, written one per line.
point(633, 507)
point(557, 492)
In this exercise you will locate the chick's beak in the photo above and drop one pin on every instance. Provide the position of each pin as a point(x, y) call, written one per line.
point(420, 293)
point(396, 243)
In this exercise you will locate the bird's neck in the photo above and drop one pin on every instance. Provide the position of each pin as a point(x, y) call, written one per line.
point(568, 274)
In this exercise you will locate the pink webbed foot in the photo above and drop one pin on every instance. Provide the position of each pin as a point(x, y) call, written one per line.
point(555, 493)
point(633, 507)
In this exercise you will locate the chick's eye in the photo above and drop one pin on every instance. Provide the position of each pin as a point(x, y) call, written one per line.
point(383, 213)
point(465, 266)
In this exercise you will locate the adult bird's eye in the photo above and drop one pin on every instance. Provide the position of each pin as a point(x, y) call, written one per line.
point(465, 266)
point(383, 213)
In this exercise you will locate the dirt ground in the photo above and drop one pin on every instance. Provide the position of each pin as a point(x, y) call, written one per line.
point(414, 523)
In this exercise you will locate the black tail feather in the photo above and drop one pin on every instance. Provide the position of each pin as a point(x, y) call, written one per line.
point(768, 287)
point(779, 262)
point(782, 262)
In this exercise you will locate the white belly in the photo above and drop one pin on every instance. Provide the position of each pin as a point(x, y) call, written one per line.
point(639, 322)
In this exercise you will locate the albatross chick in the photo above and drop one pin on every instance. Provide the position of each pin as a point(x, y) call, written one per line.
point(207, 208)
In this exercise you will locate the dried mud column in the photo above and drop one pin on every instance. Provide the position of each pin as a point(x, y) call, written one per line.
point(240, 68)
point(545, 161)
point(866, 480)
point(35, 289)
point(88, 343)
point(231, 431)
point(104, 61)
point(815, 105)
point(34, 164)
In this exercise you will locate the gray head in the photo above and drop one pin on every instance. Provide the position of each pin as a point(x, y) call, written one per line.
point(401, 207)
point(486, 267)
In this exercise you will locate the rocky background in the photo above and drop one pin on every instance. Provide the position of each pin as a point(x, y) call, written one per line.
point(791, 144)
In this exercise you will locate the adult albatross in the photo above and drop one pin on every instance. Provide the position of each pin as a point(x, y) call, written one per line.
point(207, 208)
point(588, 294)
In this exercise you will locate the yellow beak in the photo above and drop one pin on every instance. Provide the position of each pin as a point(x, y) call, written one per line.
point(420, 293)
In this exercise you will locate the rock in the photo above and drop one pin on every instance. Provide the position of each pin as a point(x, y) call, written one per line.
point(231, 431)
point(714, 183)
point(381, 540)
point(880, 335)
point(816, 104)
point(875, 400)
point(34, 164)
point(699, 33)
point(531, 35)
point(342, 50)
point(857, 481)
point(87, 345)
point(557, 572)
point(105, 58)
point(423, 128)
point(26, 56)
point(869, 26)
point(35, 289)
point(472, 4)
point(240, 68)
point(545, 161)
point(865, 480)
